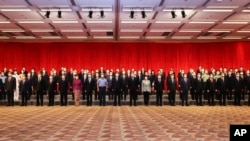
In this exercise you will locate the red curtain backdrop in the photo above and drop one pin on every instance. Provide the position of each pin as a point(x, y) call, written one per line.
point(128, 55)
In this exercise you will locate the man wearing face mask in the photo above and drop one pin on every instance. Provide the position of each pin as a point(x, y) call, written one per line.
point(238, 88)
point(185, 86)
point(132, 86)
point(102, 86)
point(117, 87)
point(172, 87)
point(89, 87)
point(211, 89)
point(222, 89)
point(159, 86)
point(146, 89)
point(10, 88)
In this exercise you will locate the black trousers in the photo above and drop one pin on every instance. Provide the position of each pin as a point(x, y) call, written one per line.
point(39, 98)
point(133, 97)
point(146, 98)
point(110, 94)
point(63, 98)
point(172, 97)
point(237, 97)
point(222, 97)
point(230, 93)
point(117, 96)
point(89, 98)
point(198, 98)
point(83, 94)
point(124, 93)
point(211, 98)
point(185, 98)
point(29, 94)
point(102, 96)
point(51, 98)
point(10, 97)
point(159, 97)
point(24, 98)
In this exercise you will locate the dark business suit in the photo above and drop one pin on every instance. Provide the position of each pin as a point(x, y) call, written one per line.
point(198, 87)
point(238, 87)
point(247, 79)
point(230, 86)
point(52, 87)
point(185, 86)
point(89, 87)
point(222, 90)
point(172, 87)
point(64, 87)
point(211, 86)
point(83, 77)
point(117, 87)
point(133, 87)
point(10, 87)
point(1, 89)
point(40, 89)
point(159, 87)
point(25, 86)
point(124, 86)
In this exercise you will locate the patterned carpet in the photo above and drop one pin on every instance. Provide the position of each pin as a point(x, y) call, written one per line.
point(123, 123)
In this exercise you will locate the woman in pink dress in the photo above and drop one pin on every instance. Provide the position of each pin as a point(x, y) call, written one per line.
point(77, 87)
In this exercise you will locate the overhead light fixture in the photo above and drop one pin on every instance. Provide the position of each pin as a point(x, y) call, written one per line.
point(202, 22)
point(71, 30)
point(183, 13)
point(76, 37)
point(65, 21)
point(190, 31)
point(59, 14)
point(233, 37)
point(90, 14)
point(143, 14)
point(169, 22)
point(233, 22)
point(51, 37)
point(15, 9)
point(132, 14)
point(217, 10)
point(102, 14)
point(244, 31)
point(12, 30)
point(41, 30)
point(207, 37)
point(47, 14)
point(25, 37)
point(103, 37)
point(30, 21)
point(4, 22)
point(135, 22)
point(131, 30)
point(182, 37)
point(100, 22)
point(173, 14)
point(218, 31)
point(155, 37)
point(129, 37)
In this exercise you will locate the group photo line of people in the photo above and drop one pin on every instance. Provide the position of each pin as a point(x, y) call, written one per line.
point(216, 86)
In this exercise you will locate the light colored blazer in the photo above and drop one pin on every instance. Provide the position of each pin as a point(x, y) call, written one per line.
point(145, 86)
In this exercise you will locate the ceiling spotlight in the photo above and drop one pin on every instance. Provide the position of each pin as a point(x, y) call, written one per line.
point(132, 14)
point(90, 14)
point(47, 14)
point(173, 14)
point(183, 13)
point(102, 14)
point(59, 15)
point(143, 14)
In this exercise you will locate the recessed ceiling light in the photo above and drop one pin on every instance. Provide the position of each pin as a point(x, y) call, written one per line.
point(12, 30)
point(103, 37)
point(246, 10)
point(133, 21)
point(71, 30)
point(26, 21)
point(190, 31)
point(222, 7)
point(218, 31)
point(100, 22)
point(24, 37)
point(231, 22)
point(66, 21)
point(202, 22)
point(76, 37)
point(3, 22)
point(41, 30)
point(15, 9)
point(169, 22)
point(160, 30)
point(129, 37)
point(131, 30)
point(217, 10)
point(155, 37)
point(101, 30)
point(243, 31)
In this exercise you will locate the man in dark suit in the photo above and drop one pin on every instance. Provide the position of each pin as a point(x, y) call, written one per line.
point(110, 92)
point(124, 81)
point(230, 84)
point(198, 87)
point(238, 88)
point(52, 87)
point(133, 87)
point(40, 90)
point(172, 87)
point(117, 88)
point(69, 78)
point(10, 87)
point(25, 86)
point(222, 89)
point(211, 89)
point(185, 86)
point(89, 87)
point(159, 86)
point(247, 82)
point(63, 87)
point(1, 89)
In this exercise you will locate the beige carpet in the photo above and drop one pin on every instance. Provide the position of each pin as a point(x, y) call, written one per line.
point(120, 123)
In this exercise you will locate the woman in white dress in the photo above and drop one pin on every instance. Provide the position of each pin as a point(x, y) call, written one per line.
point(16, 92)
